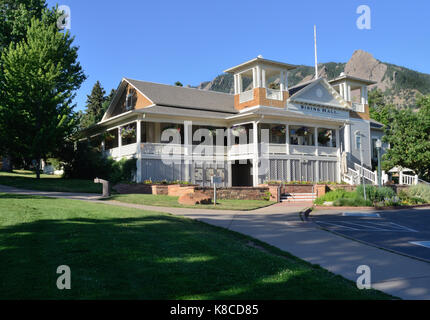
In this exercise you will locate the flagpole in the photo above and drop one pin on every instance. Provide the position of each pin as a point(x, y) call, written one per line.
point(316, 54)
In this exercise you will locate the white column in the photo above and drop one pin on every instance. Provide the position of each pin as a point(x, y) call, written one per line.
point(345, 91)
point(157, 134)
point(316, 141)
point(139, 151)
point(239, 84)
point(119, 140)
point(287, 142)
point(254, 78)
point(347, 139)
point(188, 141)
point(282, 82)
point(339, 157)
point(229, 163)
point(263, 76)
point(255, 155)
point(286, 80)
point(258, 72)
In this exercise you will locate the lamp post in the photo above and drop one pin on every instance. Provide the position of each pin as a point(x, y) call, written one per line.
point(378, 145)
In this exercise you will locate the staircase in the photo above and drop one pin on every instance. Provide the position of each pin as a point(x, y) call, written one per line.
point(298, 197)
point(356, 173)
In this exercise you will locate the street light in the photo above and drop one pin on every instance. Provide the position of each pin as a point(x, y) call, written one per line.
point(378, 146)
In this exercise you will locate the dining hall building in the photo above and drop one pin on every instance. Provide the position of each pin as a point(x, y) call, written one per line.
point(317, 131)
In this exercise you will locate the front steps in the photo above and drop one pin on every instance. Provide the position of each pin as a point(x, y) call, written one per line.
point(298, 197)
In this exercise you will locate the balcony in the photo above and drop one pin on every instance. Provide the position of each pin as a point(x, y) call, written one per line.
point(246, 96)
point(274, 94)
point(357, 107)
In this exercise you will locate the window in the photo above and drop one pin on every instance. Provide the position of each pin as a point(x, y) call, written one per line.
point(129, 101)
point(358, 141)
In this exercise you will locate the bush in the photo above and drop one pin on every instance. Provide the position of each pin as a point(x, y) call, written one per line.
point(421, 191)
point(335, 195)
point(87, 162)
point(375, 194)
point(352, 202)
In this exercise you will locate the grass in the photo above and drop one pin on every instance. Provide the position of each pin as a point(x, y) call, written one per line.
point(123, 253)
point(169, 201)
point(27, 180)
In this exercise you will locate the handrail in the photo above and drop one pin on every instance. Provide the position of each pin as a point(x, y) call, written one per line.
point(423, 181)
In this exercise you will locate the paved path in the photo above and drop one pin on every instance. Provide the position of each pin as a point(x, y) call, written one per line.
point(281, 226)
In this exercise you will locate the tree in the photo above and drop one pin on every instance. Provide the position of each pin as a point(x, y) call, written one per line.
point(97, 105)
point(94, 111)
point(379, 111)
point(179, 84)
point(15, 17)
point(40, 75)
point(409, 137)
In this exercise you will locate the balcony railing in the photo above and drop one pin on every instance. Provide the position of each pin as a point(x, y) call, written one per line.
point(246, 96)
point(274, 94)
point(357, 107)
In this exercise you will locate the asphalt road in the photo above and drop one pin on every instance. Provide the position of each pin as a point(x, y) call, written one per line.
point(404, 231)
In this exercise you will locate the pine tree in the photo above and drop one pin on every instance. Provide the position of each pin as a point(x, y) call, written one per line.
point(94, 111)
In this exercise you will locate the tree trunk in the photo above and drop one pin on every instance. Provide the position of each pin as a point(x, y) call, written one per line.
point(38, 169)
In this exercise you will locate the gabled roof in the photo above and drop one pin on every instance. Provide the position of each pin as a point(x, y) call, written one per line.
point(174, 96)
point(303, 94)
point(343, 77)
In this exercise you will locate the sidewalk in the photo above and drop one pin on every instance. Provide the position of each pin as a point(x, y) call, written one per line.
point(280, 225)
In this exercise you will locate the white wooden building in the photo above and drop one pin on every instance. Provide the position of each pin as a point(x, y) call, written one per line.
point(265, 131)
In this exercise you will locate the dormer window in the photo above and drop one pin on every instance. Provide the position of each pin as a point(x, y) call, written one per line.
point(129, 102)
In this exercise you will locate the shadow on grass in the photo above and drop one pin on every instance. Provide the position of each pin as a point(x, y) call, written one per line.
point(153, 257)
point(22, 196)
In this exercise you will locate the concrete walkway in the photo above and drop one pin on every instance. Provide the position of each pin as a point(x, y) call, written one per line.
point(281, 226)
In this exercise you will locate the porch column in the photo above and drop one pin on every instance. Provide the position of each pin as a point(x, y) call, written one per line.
point(316, 141)
point(287, 144)
point(139, 151)
point(229, 163)
point(255, 155)
point(119, 140)
point(157, 134)
point(347, 139)
point(188, 148)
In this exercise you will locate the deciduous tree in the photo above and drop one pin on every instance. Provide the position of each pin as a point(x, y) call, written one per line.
point(40, 75)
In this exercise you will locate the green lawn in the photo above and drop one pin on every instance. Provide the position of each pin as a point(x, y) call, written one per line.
point(168, 201)
point(122, 253)
point(27, 180)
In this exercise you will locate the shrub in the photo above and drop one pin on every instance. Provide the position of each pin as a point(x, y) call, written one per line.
point(335, 195)
point(421, 191)
point(352, 202)
point(87, 162)
point(375, 194)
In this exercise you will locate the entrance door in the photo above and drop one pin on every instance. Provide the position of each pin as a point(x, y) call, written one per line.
point(241, 174)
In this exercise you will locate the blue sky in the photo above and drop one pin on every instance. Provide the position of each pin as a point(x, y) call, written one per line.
point(194, 41)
